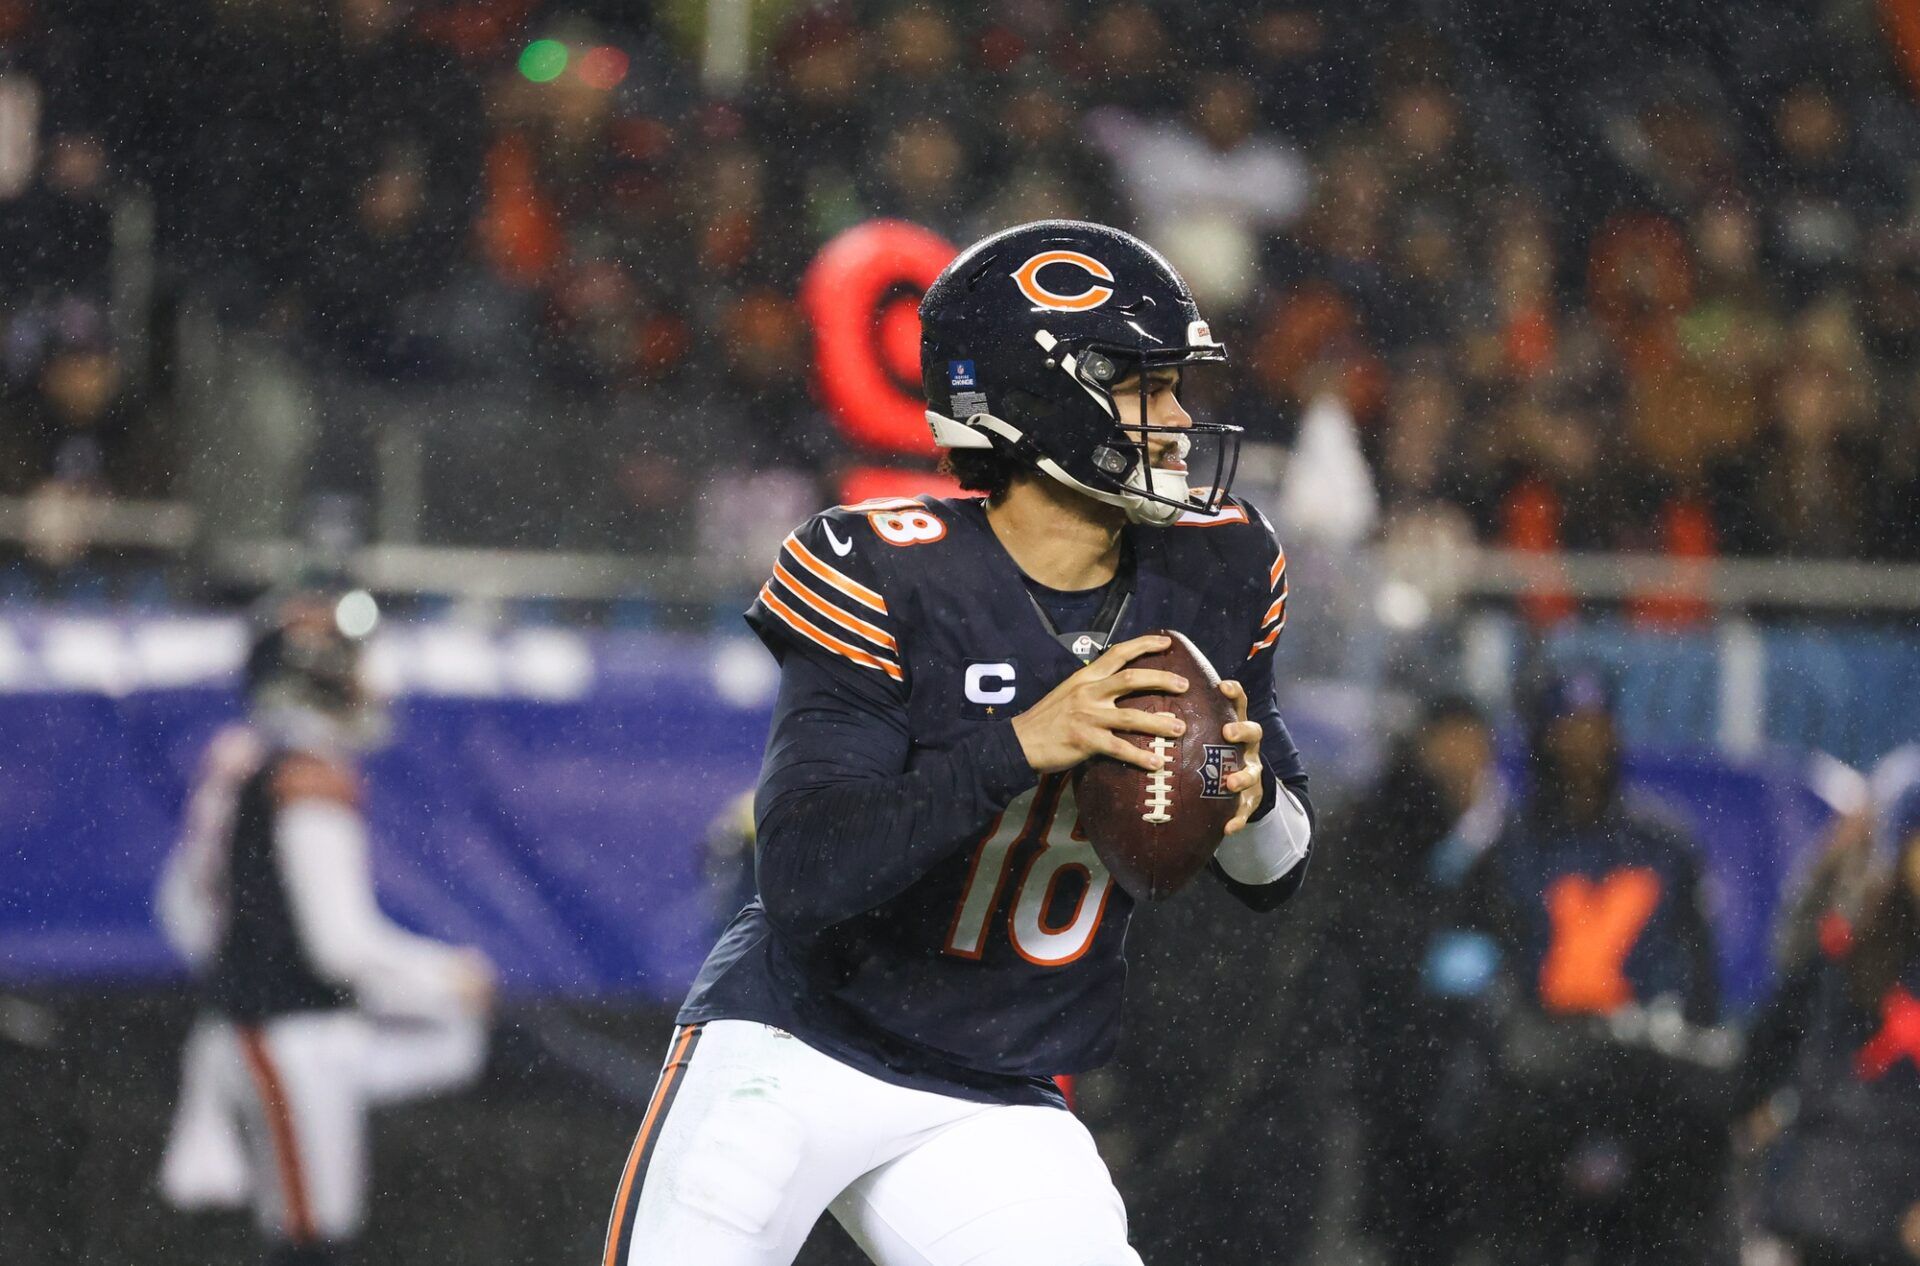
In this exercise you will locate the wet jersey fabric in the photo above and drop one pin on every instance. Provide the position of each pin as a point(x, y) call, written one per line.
point(928, 911)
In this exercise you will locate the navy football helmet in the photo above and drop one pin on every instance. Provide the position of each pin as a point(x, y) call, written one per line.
point(1022, 338)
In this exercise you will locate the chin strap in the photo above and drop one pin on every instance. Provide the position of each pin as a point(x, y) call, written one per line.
point(976, 431)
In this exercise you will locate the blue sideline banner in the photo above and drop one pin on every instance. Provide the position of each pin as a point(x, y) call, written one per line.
point(549, 800)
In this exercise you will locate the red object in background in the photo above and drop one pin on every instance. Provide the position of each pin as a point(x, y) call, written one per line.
point(519, 228)
point(865, 483)
point(603, 68)
point(1901, 18)
point(1836, 936)
point(1065, 1082)
point(1531, 522)
point(1898, 1038)
point(1312, 329)
point(1530, 340)
point(475, 29)
point(862, 296)
point(1687, 538)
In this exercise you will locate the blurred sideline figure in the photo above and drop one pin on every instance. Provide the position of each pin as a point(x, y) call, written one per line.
point(1590, 1135)
point(315, 1007)
point(1840, 1042)
point(1398, 852)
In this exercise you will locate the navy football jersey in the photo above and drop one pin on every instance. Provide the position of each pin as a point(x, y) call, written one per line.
point(985, 951)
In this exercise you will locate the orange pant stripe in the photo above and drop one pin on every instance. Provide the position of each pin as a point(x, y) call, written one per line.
point(620, 1225)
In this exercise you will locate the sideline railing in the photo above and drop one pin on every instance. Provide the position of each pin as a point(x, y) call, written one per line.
point(173, 529)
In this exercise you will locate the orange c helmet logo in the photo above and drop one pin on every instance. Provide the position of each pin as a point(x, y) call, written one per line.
point(1027, 277)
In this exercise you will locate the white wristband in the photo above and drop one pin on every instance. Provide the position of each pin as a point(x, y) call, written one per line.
point(1269, 849)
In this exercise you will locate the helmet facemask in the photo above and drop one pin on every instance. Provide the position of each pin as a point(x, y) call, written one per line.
point(1122, 471)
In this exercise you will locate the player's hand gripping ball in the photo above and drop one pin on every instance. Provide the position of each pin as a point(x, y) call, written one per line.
point(1156, 830)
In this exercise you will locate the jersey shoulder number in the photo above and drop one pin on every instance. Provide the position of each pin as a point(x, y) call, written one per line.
point(899, 521)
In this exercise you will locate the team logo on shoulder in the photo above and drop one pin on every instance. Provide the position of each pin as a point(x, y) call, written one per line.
point(1092, 294)
point(1222, 759)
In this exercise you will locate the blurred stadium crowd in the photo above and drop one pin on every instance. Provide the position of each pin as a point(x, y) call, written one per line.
point(1645, 277)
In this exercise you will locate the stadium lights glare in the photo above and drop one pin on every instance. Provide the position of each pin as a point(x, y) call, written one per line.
point(603, 67)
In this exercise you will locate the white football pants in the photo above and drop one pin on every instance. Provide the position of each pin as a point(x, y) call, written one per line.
point(277, 1113)
point(752, 1134)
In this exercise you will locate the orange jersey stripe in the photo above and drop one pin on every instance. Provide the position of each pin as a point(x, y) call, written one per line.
point(845, 584)
point(1278, 569)
point(1266, 641)
point(660, 1092)
point(800, 625)
point(286, 1148)
point(1275, 612)
point(853, 624)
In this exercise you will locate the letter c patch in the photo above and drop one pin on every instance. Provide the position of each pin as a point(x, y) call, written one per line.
point(990, 683)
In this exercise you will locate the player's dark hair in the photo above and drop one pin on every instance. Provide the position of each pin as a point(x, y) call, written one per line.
point(983, 470)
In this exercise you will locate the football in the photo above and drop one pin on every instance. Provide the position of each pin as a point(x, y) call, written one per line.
point(1156, 831)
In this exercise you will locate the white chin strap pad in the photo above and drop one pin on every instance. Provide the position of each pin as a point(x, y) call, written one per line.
point(1171, 484)
point(948, 433)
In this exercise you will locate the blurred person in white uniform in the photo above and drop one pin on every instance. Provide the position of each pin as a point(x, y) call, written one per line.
point(315, 1006)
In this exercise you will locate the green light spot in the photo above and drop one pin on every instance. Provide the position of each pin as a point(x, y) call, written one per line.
point(543, 60)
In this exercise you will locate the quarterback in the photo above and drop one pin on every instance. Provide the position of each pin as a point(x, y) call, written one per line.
point(935, 939)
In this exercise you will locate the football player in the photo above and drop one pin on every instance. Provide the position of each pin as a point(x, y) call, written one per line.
point(316, 1007)
point(934, 938)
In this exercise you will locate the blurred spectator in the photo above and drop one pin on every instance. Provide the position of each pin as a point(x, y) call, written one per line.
point(1393, 858)
point(1824, 188)
point(1622, 239)
point(813, 118)
point(1843, 1035)
point(921, 174)
point(58, 234)
point(1306, 64)
point(78, 425)
point(1419, 455)
point(1038, 159)
point(1589, 907)
point(916, 49)
point(1126, 58)
point(386, 255)
point(1208, 186)
point(1424, 146)
point(1805, 487)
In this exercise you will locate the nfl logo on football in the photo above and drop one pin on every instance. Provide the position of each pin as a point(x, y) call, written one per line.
point(1222, 759)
